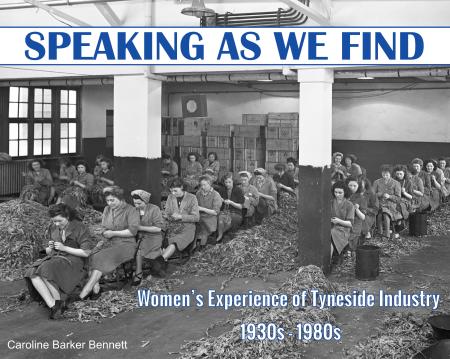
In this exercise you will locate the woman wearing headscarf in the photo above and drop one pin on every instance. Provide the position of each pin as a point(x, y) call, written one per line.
point(251, 195)
point(38, 183)
point(360, 204)
point(68, 246)
point(342, 218)
point(192, 172)
point(444, 177)
point(373, 206)
point(351, 167)
point(432, 186)
point(292, 169)
point(388, 192)
point(230, 217)
point(182, 213)
point(267, 193)
point(336, 165)
point(209, 204)
point(149, 236)
point(212, 164)
point(420, 200)
point(121, 223)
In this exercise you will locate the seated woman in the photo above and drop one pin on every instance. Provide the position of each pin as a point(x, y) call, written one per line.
point(209, 204)
point(405, 204)
point(230, 217)
point(444, 164)
point(373, 206)
point(388, 192)
point(431, 183)
point(212, 163)
point(105, 177)
point(81, 184)
point(149, 235)
point(169, 171)
point(420, 200)
point(38, 183)
point(283, 180)
point(267, 192)
point(121, 223)
point(182, 213)
point(251, 195)
point(97, 167)
point(342, 217)
point(360, 204)
point(66, 174)
point(336, 165)
point(193, 172)
point(292, 169)
point(352, 169)
point(57, 275)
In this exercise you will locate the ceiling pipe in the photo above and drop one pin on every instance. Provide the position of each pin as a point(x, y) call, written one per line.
point(59, 82)
point(13, 6)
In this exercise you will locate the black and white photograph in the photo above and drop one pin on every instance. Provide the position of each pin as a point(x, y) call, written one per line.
point(229, 209)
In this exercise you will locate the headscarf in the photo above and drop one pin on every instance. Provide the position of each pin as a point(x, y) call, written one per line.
point(246, 173)
point(259, 171)
point(417, 160)
point(143, 195)
point(337, 154)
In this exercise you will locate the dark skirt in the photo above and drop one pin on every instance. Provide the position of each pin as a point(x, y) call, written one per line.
point(64, 272)
point(118, 251)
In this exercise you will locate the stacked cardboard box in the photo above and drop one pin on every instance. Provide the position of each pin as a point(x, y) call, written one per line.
point(254, 119)
point(248, 148)
point(281, 138)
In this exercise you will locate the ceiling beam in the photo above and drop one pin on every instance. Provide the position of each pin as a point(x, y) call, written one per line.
point(56, 12)
point(108, 13)
point(311, 13)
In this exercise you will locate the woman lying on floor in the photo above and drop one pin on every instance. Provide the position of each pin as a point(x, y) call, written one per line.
point(56, 276)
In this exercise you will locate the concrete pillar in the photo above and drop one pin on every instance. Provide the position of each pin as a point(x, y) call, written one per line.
point(315, 129)
point(137, 133)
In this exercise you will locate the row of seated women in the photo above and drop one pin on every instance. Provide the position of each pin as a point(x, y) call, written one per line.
point(397, 195)
point(141, 231)
point(47, 188)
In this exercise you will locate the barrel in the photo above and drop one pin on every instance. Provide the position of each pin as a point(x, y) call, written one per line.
point(367, 262)
point(418, 224)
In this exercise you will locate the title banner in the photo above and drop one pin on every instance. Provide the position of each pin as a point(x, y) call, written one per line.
point(294, 46)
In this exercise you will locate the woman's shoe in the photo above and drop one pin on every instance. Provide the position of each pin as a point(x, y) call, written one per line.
point(94, 296)
point(55, 311)
point(137, 279)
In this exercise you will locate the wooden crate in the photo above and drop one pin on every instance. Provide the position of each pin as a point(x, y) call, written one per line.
point(250, 154)
point(272, 156)
point(283, 116)
point(251, 165)
point(288, 123)
point(247, 131)
point(250, 119)
point(165, 125)
point(239, 154)
point(185, 150)
point(238, 142)
point(294, 146)
point(194, 126)
point(221, 130)
point(223, 142)
point(278, 145)
point(212, 141)
point(285, 133)
point(272, 132)
point(176, 127)
point(222, 153)
point(273, 123)
point(250, 143)
point(284, 155)
point(194, 141)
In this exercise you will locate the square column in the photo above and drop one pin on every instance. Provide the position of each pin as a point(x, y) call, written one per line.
point(315, 131)
point(137, 133)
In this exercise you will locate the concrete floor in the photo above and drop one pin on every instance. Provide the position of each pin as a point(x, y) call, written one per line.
point(166, 329)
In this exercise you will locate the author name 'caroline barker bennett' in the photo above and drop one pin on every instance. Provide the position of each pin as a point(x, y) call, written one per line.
point(65, 345)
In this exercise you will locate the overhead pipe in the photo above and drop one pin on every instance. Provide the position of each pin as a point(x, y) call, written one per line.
point(14, 6)
point(59, 82)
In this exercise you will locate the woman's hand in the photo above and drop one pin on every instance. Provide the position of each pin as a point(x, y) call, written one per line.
point(386, 195)
point(227, 201)
point(108, 234)
point(177, 216)
point(356, 206)
point(51, 244)
point(60, 246)
point(335, 220)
